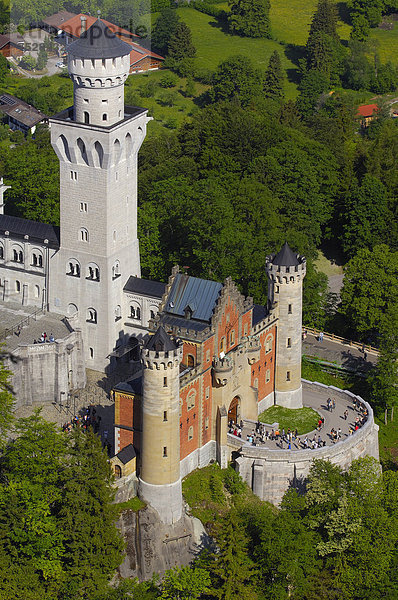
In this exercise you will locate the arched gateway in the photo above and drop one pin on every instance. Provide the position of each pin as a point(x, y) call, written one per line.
point(234, 410)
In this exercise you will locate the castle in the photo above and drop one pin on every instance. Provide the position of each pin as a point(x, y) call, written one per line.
point(211, 355)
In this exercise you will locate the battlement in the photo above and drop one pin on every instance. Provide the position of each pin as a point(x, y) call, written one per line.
point(162, 360)
point(286, 274)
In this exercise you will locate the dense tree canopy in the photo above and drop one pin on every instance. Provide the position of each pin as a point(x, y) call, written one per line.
point(249, 18)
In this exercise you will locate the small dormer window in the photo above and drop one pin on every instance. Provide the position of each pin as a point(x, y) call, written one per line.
point(188, 312)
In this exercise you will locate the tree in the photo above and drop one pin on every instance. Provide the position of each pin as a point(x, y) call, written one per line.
point(366, 217)
point(231, 569)
point(41, 59)
point(384, 379)
point(312, 85)
point(4, 68)
point(235, 78)
point(87, 518)
point(250, 18)
point(273, 79)
point(368, 292)
point(164, 30)
point(180, 46)
point(185, 583)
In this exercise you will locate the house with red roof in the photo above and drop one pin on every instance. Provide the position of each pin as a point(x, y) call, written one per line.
point(366, 113)
point(10, 46)
point(68, 27)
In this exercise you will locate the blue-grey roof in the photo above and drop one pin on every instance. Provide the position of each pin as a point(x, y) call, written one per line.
point(179, 322)
point(98, 42)
point(285, 257)
point(37, 232)
point(145, 287)
point(160, 342)
point(259, 312)
point(134, 386)
point(199, 294)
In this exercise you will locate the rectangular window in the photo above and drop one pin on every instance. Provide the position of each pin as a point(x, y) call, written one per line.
point(267, 376)
point(165, 415)
point(245, 329)
point(190, 433)
point(164, 381)
point(207, 423)
point(73, 175)
point(207, 355)
point(83, 206)
point(277, 289)
point(289, 310)
point(164, 451)
point(207, 393)
point(289, 342)
point(287, 375)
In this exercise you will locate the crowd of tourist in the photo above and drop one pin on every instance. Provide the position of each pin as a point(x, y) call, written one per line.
point(260, 433)
point(44, 338)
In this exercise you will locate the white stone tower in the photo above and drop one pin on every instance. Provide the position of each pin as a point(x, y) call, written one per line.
point(286, 272)
point(97, 142)
point(159, 478)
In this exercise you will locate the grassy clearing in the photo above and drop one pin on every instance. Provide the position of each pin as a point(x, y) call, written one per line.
point(388, 442)
point(211, 491)
point(213, 45)
point(386, 42)
point(134, 504)
point(324, 265)
point(303, 419)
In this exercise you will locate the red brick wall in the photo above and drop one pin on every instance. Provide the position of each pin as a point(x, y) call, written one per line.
point(228, 326)
point(189, 349)
point(189, 418)
point(128, 414)
point(266, 362)
point(247, 323)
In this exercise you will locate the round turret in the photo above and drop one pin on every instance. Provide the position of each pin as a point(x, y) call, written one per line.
point(98, 64)
point(160, 482)
point(286, 272)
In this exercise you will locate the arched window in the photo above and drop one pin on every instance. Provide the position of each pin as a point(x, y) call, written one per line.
point(118, 313)
point(73, 267)
point(37, 291)
point(232, 337)
point(1, 252)
point(152, 313)
point(98, 154)
point(86, 117)
point(268, 343)
point(118, 472)
point(83, 235)
point(93, 272)
point(222, 344)
point(17, 255)
point(91, 350)
point(129, 145)
point(91, 315)
point(116, 151)
point(18, 287)
point(72, 309)
point(135, 312)
point(116, 270)
point(104, 117)
point(191, 399)
point(190, 360)
point(37, 259)
point(190, 433)
point(63, 147)
point(82, 147)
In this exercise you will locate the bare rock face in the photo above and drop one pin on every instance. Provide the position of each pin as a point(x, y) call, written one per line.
point(153, 547)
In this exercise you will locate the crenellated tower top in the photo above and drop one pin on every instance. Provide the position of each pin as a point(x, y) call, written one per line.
point(98, 64)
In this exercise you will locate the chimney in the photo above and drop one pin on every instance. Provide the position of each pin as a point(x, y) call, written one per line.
point(83, 20)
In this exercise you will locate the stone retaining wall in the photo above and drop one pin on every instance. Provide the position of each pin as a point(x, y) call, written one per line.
point(269, 473)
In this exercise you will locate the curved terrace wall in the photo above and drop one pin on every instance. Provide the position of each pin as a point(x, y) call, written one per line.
point(270, 472)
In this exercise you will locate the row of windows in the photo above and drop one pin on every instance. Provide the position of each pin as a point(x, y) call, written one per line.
point(84, 236)
point(18, 289)
point(18, 256)
point(92, 270)
point(97, 148)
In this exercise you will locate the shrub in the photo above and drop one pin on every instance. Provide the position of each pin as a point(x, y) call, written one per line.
point(169, 80)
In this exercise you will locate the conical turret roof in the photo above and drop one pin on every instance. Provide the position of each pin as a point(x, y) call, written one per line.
point(99, 42)
point(160, 342)
point(286, 257)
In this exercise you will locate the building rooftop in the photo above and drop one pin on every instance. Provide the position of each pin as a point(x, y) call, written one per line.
point(192, 295)
point(73, 26)
point(160, 342)
point(98, 42)
point(37, 232)
point(58, 20)
point(127, 454)
point(145, 287)
point(10, 39)
point(367, 110)
point(133, 386)
point(20, 110)
point(285, 257)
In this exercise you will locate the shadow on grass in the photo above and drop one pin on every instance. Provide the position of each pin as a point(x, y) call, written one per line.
point(343, 12)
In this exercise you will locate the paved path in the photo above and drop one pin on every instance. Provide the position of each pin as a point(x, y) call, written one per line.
point(335, 419)
point(334, 351)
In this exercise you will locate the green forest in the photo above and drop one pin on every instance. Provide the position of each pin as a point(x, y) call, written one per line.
point(255, 141)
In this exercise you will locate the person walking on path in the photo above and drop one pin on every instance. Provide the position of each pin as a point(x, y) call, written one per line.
point(320, 337)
